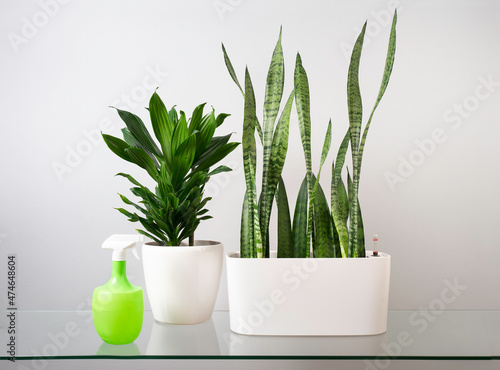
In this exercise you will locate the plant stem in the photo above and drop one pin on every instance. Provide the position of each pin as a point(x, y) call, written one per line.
point(191, 240)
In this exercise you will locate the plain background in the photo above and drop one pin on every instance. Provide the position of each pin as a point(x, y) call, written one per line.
point(430, 177)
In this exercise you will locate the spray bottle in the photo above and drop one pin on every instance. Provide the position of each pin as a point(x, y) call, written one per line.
point(118, 306)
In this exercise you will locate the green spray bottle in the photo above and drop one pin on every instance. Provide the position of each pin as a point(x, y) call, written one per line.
point(118, 306)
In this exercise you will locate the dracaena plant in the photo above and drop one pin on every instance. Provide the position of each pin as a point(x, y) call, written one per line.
point(335, 229)
point(180, 164)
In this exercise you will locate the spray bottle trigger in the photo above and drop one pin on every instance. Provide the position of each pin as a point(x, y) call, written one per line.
point(134, 251)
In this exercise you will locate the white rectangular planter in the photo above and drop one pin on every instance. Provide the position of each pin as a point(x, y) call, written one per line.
point(308, 296)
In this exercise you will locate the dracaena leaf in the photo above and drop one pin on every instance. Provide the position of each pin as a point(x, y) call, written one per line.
point(117, 146)
point(162, 126)
point(138, 130)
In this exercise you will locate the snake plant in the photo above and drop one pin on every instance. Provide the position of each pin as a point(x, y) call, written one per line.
point(179, 165)
point(335, 229)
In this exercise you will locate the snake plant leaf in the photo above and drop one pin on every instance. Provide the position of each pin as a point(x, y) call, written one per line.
point(279, 148)
point(360, 249)
point(220, 118)
point(301, 245)
point(139, 132)
point(230, 69)
point(355, 109)
point(323, 242)
point(389, 62)
point(285, 238)
point(343, 202)
point(302, 103)
point(339, 202)
point(361, 252)
point(247, 241)
point(117, 146)
point(249, 164)
point(272, 99)
point(326, 145)
point(278, 151)
point(182, 161)
point(354, 102)
point(324, 153)
point(312, 201)
point(142, 159)
point(162, 126)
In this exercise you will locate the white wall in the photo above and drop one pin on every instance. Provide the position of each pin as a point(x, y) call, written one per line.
point(63, 63)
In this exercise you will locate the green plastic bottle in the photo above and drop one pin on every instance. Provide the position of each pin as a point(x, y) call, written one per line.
point(118, 306)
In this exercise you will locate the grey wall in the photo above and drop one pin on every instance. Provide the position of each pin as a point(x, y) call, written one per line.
point(430, 175)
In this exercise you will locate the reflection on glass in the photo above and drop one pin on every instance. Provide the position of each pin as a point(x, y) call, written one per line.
point(107, 349)
point(168, 339)
point(369, 345)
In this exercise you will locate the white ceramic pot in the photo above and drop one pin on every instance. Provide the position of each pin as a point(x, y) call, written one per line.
point(308, 296)
point(182, 282)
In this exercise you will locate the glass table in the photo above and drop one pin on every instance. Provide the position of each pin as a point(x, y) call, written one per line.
point(442, 335)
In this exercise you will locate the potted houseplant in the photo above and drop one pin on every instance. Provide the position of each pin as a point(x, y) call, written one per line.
point(182, 279)
point(336, 287)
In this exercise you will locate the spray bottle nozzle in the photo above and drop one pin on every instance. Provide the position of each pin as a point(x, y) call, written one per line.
point(119, 243)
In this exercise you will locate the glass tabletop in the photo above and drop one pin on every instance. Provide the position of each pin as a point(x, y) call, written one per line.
point(421, 334)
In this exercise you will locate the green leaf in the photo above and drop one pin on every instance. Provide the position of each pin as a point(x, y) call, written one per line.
point(285, 238)
point(142, 159)
point(302, 102)
point(361, 234)
point(220, 118)
point(217, 156)
point(249, 164)
point(230, 69)
point(162, 126)
point(323, 243)
point(117, 146)
point(139, 132)
point(183, 159)
point(300, 242)
point(196, 118)
point(354, 103)
point(206, 130)
point(130, 178)
point(180, 134)
point(279, 148)
point(274, 92)
point(247, 235)
point(339, 199)
point(172, 114)
point(219, 170)
point(389, 62)
point(215, 144)
point(355, 109)
point(127, 201)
